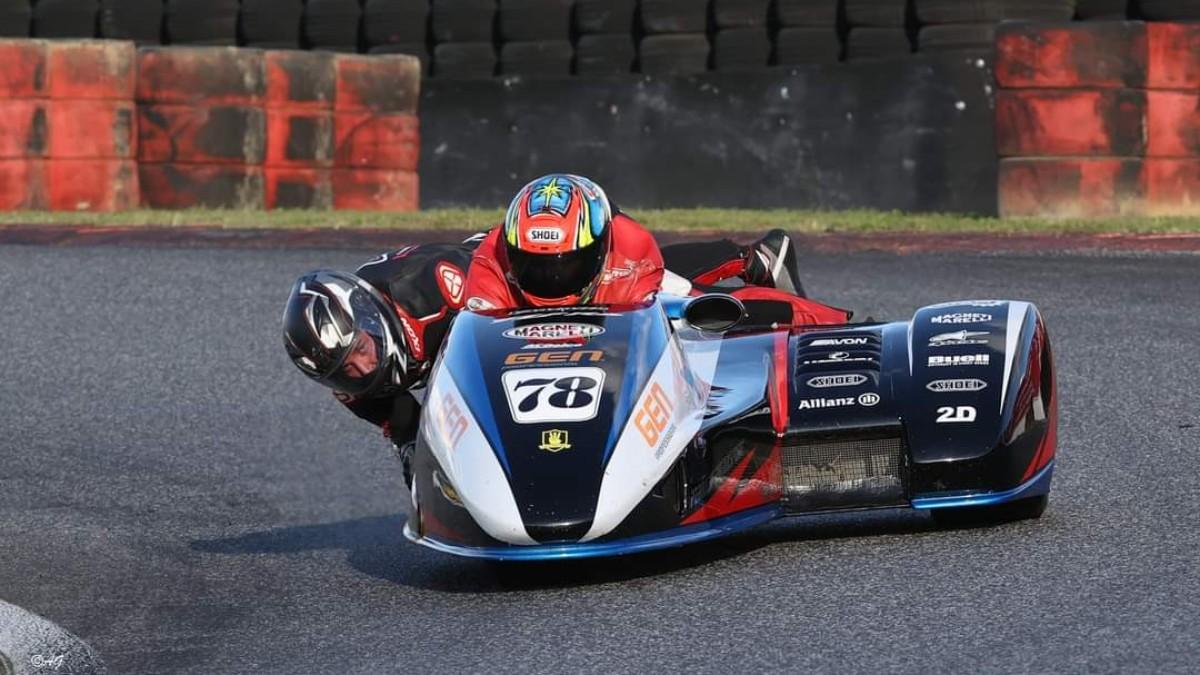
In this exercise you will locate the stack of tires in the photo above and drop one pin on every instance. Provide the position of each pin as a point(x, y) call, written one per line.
point(464, 39)
point(740, 40)
point(397, 27)
point(536, 38)
point(201, 127)
point(299, 116)
point(67, 112)
point(207, 23)
point(136, 20)
point(970, 26)
point(332, 25)
point(879, 28)
point(15, 18)
point(807, 32)
point(65, 18)
point(271, 24)
point(674, 38)
point(1102, 10)
point(1168, 10)
point(604, 30)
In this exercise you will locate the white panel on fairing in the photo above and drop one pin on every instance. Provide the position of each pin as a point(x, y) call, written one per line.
point(471, 464)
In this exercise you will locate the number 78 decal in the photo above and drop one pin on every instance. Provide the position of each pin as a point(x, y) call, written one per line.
point(547, 395)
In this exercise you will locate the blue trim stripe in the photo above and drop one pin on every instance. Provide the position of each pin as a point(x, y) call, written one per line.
point(1034, 487)
point(679, 536)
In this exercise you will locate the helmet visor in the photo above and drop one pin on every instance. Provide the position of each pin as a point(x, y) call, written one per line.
point(560, 275)
point(367, 358)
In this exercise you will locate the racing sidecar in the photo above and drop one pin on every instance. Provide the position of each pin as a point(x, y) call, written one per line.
point(594, 431)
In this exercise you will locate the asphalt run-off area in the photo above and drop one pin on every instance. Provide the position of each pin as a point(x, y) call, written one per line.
point(177, 495)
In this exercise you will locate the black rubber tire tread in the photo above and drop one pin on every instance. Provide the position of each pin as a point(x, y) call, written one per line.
point(868, 43)
point(957, 37)
point(1091, 10)
point(673, 16)
point(675, 54)
point(417, 49)
point(1169, 10)
point(604, 17)
point(464, 60)
point(534, 20)
point(541, 59)
point(400, 22)
point(138, 20)
point(332, 24)
point(741, 49)
point(802, 46)
point(605, 54)
point(462, 20)
point(805, 13)
point(877, 13)
point(740, 13)
point(16, 17)
point(273, 24)
point(982, 516)
point(206, 23)
point(978, 11)
point(65, 18)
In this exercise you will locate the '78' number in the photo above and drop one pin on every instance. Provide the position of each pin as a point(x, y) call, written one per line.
point(540, 395)
point(570, 392)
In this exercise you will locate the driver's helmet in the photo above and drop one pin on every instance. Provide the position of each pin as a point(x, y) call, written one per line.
point(557, 234)
point(340, 331)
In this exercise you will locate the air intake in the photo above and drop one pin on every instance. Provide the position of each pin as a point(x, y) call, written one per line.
point(844, 473)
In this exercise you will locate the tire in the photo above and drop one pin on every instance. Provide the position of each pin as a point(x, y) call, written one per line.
point(400, 22)
point(1169, 10)
point(544, 59)
point(1091, 10)
point(417, 49)
point(332, 25)
point(464, 60)
point(65, 19)
point(805, 13)
point(16, 17)
point(680, 54)
point(961, 37)
point(880, 13)
point(803, 46)
point(462, 20)
point(272, 24)
point(136, 20)
point(534, 20)
point(1030, 508)
point(869, 43)
point(592, 17)
point(605, 54)
point(740, 13)
point(978, 11)
point(673, 16)
point(741, 49)
point(210, 23)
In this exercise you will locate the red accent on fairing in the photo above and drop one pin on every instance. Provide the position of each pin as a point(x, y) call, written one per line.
point(761, 488)
point(431, 525)
point(1049, 444)
point(805, 312)
point(729, 269)
point(779, 385)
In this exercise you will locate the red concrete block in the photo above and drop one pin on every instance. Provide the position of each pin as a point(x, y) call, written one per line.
point(195, 75)
point(219, 134)
point(298, 79)
point(187, 186)
point(92, 69)
point(1075, 188)
point(1049, 123)
point(287, 188)
point(1171, 187)
point(1173, 124)
point(372, 141)
point(22, 128)
point(383, 83)
point(22, 184)
point(92, 129)
point(92, 185)
point(1094, 55)
point(299, 138)
point(374, 190)
point(23, 74)
point(1174, 56)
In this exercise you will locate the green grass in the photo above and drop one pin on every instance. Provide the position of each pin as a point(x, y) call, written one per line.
point(662, 220)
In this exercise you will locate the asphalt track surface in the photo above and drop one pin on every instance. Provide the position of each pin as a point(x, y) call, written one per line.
point(174, 493)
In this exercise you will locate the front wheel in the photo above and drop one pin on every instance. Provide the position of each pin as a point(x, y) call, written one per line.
point(980, 516)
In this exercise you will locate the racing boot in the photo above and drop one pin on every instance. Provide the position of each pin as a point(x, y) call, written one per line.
point(773, 264)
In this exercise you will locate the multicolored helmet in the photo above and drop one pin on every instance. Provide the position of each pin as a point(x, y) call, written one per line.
point(557, 234)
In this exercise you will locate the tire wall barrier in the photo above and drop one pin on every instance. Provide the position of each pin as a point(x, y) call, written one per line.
point(1099, 119)
point(103, 126)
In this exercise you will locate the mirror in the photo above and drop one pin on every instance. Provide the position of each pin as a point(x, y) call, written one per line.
point(715, 312)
